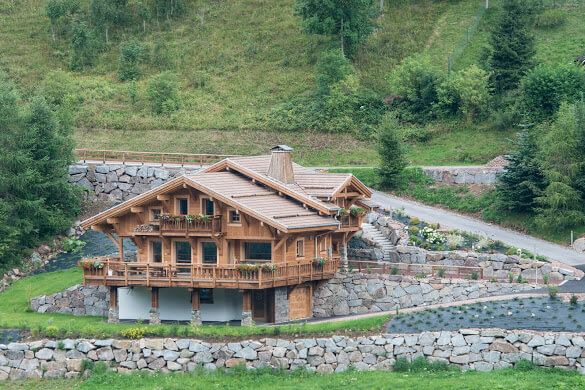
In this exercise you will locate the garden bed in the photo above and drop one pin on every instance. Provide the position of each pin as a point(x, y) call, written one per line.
point(538, 313)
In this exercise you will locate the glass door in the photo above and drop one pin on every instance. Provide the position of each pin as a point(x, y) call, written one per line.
point(209, 252)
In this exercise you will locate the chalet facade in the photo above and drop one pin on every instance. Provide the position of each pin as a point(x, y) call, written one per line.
point(246, 239)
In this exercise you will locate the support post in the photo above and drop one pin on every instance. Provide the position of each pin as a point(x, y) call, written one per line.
point(195, 308)
point(121, 248)
point(154, 313)
point(113, 313)
point(343, 254)
point(247, 309)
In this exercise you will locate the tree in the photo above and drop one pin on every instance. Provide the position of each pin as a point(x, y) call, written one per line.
point(511, 45)
point(348, 21)
point(143, 13)
point(331, 68)
point(467, 91)
point(523, 180)
point(563, 161)
point(391, 150)
point(36, 201)
point(55, 9)
point(105, 13)
point(82, 48)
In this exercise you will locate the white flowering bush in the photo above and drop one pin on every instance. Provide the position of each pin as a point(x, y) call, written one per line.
point(454, 239)
point(431, 235)
point(483, 244)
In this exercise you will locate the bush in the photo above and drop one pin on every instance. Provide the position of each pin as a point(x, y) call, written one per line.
point(163, 92)
point(553, 291)
point(413, 230)
point(160, 55)
point(414, 221)
point(415, 82)
point(331, 68)
point(551, 18)
point(467, 92)
point(441, 272)
point(131, 55)
point(574, 299)
point(391, 150)
point(545, 87)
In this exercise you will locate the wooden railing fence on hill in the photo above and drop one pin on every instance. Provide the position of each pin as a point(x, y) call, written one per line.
point(149, 157)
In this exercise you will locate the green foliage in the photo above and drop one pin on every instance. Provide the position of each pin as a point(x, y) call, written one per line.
point(545, 87)
point(563, 162)
point(413, 230)
point(132, 53)
point(331, 68)
point(420, 364)
point(82, 51)
point(391, 151)
point(523, 180)
point(163, 92)
point(466, 92)
point(36, 201)
point(73, 244)
point(511, 45)
point(552, 291)
point(348, 22)
point(550, 18)
point(160, 56)
point(416, 83)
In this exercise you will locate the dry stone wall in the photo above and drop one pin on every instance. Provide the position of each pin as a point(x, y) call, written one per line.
point(481, 350)
point(358, 293)
point(117, 182)
point(78, 300)
point(464, 175)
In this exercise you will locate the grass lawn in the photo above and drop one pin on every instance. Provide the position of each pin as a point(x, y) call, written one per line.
point(264, 379)
point(15, 312)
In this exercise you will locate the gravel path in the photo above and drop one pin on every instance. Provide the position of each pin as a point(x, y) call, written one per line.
point(471, 225)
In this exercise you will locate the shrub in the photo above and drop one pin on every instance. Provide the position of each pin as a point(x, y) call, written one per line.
point(454, 239)
point(394, 270)
point(519, 279)
point(511, 277)
point(546, 86)
point(416, 83)
point(135, 333)
point(132, 53)
point(545, 278)
point(414, 221)
point(401, 365)
point(467, 92)
point(573, 300)
point(413, 230)
point(441, 272)
point(553, 291)
point(331, 68)
point(474, 275)
point(391, 150)
point(163, 92)
point(51, 331)
point(551, 18)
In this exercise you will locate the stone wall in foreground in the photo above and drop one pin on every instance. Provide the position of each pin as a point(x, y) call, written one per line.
point(481, 350)
point(358, 293)
point(117, 182)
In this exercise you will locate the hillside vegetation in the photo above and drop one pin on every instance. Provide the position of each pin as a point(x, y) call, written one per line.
point(236, 61)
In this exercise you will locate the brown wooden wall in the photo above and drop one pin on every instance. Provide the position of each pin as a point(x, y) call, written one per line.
point(300, 300)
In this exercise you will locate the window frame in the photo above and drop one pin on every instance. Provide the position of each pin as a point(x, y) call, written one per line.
point(302, 252)
point(203, 253)
point(175, 250)
point(206, 301)
point(247, 250)
point(151, 251)
point(178, 200)
point(151, 215)
point(204, 209)
point(235, 212)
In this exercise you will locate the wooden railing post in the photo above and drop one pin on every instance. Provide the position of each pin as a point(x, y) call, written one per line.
point(147, 275)
point(259, 277)
point(126, 273)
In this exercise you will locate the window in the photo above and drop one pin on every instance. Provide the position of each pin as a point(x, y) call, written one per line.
point(300, 248)
point(234, 217)
point(258, 250)
point(207, 206)
point(183, 206)
point(182, 252)
point(206, 296)
point(155, 214)
point(156, 251)
point(209, 251)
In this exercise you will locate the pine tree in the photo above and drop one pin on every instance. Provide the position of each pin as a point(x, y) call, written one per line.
point(511, 45)
point(349, 22)
point(523, 180)
point(391, 150)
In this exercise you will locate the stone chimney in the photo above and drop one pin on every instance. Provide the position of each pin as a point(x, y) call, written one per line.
point(281, 167)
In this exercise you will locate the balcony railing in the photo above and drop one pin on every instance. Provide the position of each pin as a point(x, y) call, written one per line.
point(350, 221)
point(184, 226)
point(117, 273)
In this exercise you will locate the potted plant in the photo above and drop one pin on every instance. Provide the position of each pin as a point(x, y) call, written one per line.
point(247, 268)
point(270, 267)
point(357, 211)
point(320, 261)
point(90, 264)
point(343, 212)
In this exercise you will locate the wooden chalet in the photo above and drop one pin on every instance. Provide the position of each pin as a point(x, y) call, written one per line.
point(245, 239)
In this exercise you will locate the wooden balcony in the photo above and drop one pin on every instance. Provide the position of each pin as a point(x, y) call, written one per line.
point(183, 227)
point(350, 222)
point(121, 274)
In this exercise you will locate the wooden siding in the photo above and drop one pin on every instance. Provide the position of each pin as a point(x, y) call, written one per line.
point(300, 299)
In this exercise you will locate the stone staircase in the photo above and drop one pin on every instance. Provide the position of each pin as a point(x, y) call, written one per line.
point(379, 238)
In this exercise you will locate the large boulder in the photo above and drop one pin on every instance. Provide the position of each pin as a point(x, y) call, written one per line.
point(579, 244)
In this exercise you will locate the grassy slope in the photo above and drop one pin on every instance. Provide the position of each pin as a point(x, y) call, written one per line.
point(16, 313)
point(503, 379)
point(253, 56)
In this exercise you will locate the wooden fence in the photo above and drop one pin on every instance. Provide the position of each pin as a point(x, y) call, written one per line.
point(149, 157)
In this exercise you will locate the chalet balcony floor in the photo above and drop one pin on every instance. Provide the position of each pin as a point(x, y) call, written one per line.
point(121, 274)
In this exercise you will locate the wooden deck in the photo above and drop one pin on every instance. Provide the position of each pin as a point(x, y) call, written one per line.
point(121, 274)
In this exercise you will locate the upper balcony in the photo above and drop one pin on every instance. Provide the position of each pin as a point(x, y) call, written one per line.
point(183, 225)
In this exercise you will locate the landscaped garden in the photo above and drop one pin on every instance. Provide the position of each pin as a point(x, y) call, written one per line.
point(538, 313)
point(414, 376)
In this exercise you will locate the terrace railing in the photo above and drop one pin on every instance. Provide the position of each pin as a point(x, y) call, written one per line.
point(117, 273)
point(184, 226)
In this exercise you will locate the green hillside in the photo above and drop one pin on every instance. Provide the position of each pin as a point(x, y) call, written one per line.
point(239, 61)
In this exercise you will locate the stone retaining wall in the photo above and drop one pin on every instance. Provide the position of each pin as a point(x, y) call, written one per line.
point(497, 265)
point(117, 182)
point(357, 293)
point(464, 175)
point(79, 300)
point(481, 350)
